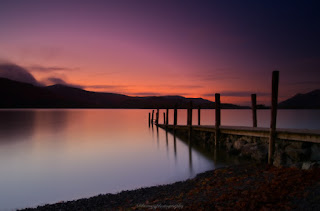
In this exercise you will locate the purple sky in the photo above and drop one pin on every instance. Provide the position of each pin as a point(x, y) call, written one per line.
point(189, 48)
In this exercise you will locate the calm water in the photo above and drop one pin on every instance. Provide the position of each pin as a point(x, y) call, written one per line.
point(47, 156)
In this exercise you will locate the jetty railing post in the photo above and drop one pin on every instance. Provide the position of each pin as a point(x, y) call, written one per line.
point(274, 106)
point(218, 118)
point(190, 113)
point(189, 123)
point(254, 109)
point(152, 116)
point(167, 117)
point(149, 119)
point(175, 115)
point(157, 116)
point(199, 115)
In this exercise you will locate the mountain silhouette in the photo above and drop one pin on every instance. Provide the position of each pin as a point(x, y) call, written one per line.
point(310, 100)
point(14, 94)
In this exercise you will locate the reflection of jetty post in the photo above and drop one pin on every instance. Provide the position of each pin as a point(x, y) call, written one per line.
point(164, 118)
point(218, 118)
point(254, 109)
point(167, 119)
point(190, 158)
point(152, 117)
point(174, 145)
point(274, 106)
point(199, 115)
point(175, 115)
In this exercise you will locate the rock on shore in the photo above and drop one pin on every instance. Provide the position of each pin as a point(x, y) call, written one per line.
point(242, 187)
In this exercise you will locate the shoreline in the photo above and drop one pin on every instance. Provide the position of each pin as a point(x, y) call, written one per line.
point(246, 186)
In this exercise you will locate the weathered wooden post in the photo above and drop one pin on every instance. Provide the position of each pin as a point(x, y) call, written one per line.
point(164, 118)
point(274, 107)
point(175, 115)
point(157, 116)
point(218, 118)
point(189, 122)
point(190, 113)
point(199, 115)
point(167, 117)
point(188, 116)
point(254, 109)
point(149, 119)
point(152, 117)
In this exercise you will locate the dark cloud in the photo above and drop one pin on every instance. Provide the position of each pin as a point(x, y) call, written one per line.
point(55, 80)
point(17, 73)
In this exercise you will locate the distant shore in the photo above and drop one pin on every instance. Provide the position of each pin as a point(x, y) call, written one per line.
point(246, 187)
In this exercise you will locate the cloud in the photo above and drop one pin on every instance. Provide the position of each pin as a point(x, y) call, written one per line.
point(216, 74)
point(315, 82)
point(146, 93)
point(237, 94)
point(56, 80)
point(17, 73)
point(103, 86)
point(49, 69)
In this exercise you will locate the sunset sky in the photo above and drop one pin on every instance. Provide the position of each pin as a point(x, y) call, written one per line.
point(166, 47)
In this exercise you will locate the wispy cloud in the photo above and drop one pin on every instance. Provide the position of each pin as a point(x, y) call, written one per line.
point(49, 69)
point(185, 86)
point(146, 93)
point(315, 82)
point(157, 94)
point(104, 86)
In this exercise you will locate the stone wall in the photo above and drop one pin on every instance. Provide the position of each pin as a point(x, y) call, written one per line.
point(287, 152)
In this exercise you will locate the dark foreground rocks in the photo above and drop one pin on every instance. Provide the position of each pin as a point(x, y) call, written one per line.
point(242, 187)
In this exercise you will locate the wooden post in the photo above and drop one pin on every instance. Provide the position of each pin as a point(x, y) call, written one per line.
point(189, 123)
point(190, 113)
point(188, 116)
point(175, 115)
point(152, 116)
point(157, 117)
point(149, 119)
point(218, 118)
point(254, 109)
point(164, 118)
point(274, 106)
point(167, 117)
point(199, 115)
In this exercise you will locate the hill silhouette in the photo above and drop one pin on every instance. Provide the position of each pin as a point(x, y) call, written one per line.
point(14, 94)
point(310, 100)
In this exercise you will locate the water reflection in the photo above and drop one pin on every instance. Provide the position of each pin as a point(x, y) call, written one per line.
point(16, 125)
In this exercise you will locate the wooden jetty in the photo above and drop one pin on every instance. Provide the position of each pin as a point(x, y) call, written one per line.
point(272, 133)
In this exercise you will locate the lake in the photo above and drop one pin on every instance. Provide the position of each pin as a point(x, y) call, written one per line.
point(50, 155)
